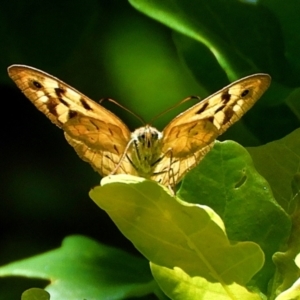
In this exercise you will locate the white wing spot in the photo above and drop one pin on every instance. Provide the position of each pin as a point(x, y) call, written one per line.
point(236, 108)
point(240, 102)
point(218, 119)
point(44, 99)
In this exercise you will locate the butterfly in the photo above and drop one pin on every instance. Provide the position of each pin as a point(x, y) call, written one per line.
point(100, 138)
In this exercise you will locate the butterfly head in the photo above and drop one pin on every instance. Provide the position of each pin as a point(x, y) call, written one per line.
point(146, 149)
point(147, 137)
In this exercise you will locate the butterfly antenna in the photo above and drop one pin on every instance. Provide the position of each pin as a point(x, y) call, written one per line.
point(123, 107)
point(174, 106)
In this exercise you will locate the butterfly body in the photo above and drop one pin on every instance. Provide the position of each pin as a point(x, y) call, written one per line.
point(103, 140)
point(146, 150)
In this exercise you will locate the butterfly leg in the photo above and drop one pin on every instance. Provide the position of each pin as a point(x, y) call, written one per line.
point(124, 155)
point(171, 174)
point(170, 181)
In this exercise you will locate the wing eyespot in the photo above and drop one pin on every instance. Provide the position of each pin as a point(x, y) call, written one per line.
point(245, 93)
point(37, 84)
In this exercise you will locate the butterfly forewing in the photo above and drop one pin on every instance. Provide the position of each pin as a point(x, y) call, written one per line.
point(57, 99)
point(218, 111)
point(97, 135)
point(102, 139)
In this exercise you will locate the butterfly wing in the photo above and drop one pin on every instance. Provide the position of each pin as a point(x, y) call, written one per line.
point(170, 170)
point(99, 143)
point(98, 136)
point(190, 135)
point(102, 161)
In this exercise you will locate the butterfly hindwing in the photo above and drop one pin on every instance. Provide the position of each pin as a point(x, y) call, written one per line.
point(103, 162)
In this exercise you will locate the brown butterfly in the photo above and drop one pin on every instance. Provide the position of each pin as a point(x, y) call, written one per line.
point(103, 140)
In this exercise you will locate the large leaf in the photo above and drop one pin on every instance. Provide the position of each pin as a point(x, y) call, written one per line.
point(279, 163)
point(180, 286)
point(171, 233)
point(214, 23)
point(227, 181)
point(84, 269)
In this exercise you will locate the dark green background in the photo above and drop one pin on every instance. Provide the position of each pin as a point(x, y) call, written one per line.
point(108, 49)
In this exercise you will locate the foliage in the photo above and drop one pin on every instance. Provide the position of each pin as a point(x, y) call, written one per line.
point(232, 230)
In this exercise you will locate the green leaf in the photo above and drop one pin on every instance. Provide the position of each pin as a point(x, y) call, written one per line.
point(170, 232)
point(293, 102)
point(293, 293)
point(287, 271)
point(227, 181)
point(35, 294)
point(201, 62)
point(85, 269)
point(286, 279)
point(279, 162)
point(179, 285)
point(289, 20)
point(214, 24)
